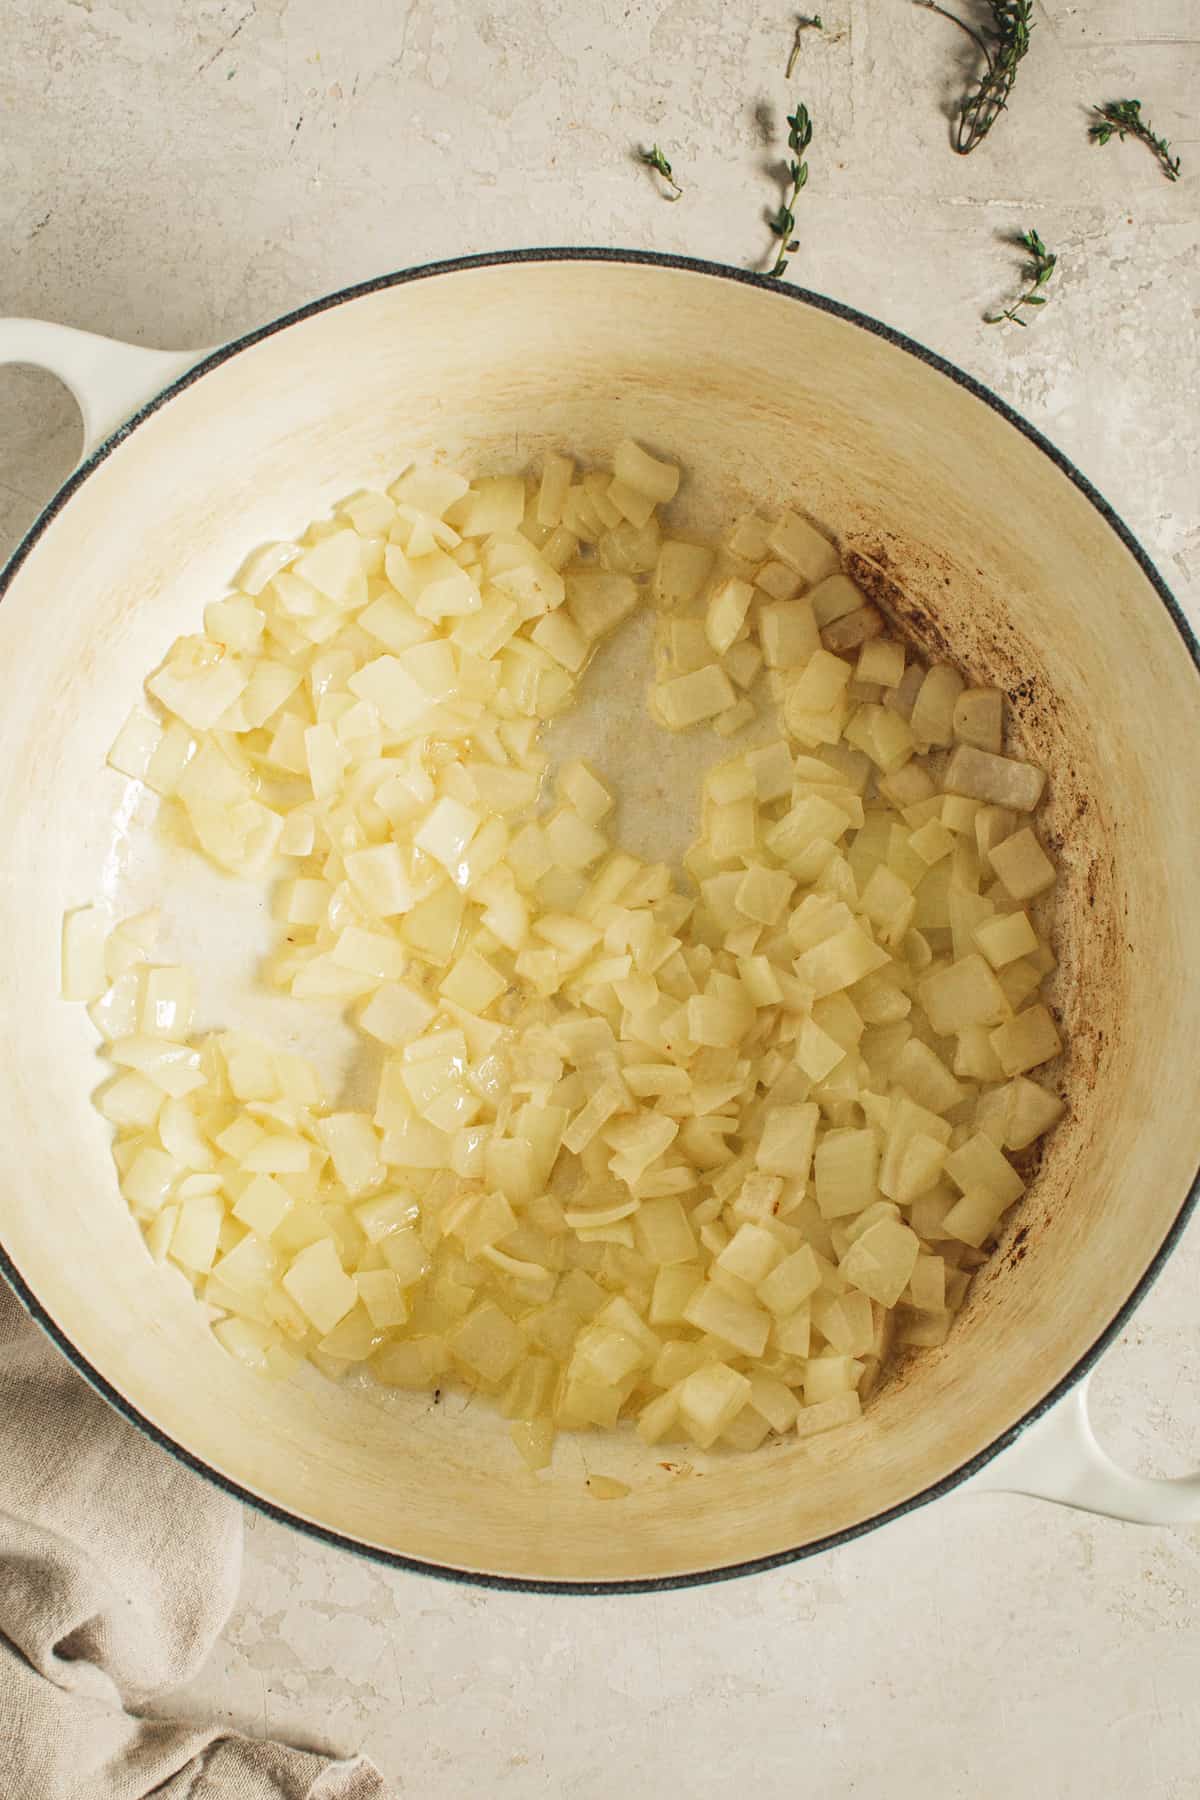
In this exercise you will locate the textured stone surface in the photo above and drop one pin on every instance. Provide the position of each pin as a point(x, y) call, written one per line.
point(175, 175)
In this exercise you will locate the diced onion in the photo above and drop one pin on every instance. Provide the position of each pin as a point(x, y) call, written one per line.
point(694, 1158)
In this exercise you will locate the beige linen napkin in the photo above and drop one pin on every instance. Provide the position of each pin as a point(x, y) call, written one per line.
point(118, 1568)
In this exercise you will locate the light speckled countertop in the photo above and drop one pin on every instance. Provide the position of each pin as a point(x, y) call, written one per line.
point(176, 175)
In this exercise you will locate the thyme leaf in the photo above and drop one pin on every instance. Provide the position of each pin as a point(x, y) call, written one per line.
point(1002, 49)
point(1037, 272)
point(804, 22)
point(1123, 118)
point(783, 222)
point(654, 159)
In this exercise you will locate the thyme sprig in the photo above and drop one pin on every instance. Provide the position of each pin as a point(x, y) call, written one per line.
point(1123, 118)
point(654, 159)
point(1037, 272)
point(783, 222)
point(804, 22)
point(1003, 49)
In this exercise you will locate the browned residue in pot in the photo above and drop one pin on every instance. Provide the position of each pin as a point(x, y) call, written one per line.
point(947, 612)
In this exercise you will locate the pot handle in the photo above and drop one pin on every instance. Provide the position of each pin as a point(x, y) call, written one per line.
point(109, 380)
point(1057, 1458)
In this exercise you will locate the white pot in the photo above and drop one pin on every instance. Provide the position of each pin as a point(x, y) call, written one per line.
point(957, 514)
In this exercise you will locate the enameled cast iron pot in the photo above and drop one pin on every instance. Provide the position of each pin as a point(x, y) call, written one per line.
point(985, 543)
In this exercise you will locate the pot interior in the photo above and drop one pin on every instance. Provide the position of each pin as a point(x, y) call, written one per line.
point(986, 551)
